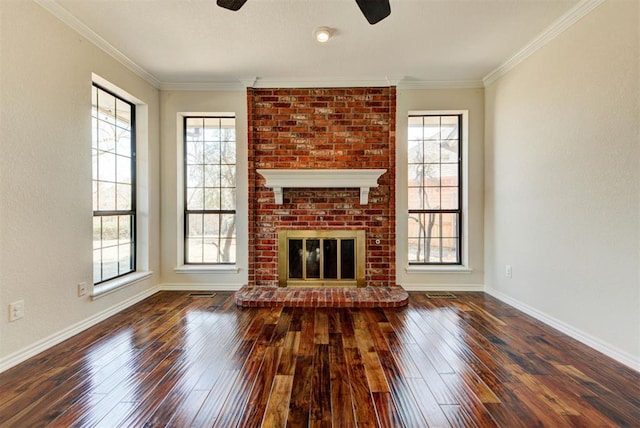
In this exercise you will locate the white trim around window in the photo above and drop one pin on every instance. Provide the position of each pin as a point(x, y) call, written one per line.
point(402, 198)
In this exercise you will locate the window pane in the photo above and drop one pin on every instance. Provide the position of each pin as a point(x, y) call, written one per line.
point(195, 176)
point(415, 174)
point(415, 152)
point(123, 145)
point(106, 106)
point(94, 164)
point(124, 256)
point(415, 129)
point(228, 225)
point(110, 262)
point(195, 199)
point(109, 230)
point(123, 202)
point(106, 196)
point(195, 223)
point(211, 250)
point(212, 129)
point(450, 225)
point(449, 198)
point(449, 174)
point(195, 123)
point(212, 176)
point(449, 250)
point(106, 166)
point(194, 250)
point(194, 155)
point(416, 198)
point(228, 130)
point(106, 136)
point(449, 151)
point(228, 175)
point(212, 199)
point(123, 169)
point(94, 186)
point(211, 224)
point(432, 127)
point(228, 199)
point(97, 232)
point(228, 152)
point(416, 250)
point(212, 152)
point(123, 115)
point(431, 174)
point(431, 223)
point(125, 234)
point(227, 250)
point(449, 128)
point(97, 266)
point(431, 151)
point(432, 199)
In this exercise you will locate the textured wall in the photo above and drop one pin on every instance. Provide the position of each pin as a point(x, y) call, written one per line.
point(337, 128)
point(45, 175)
point(562, 193)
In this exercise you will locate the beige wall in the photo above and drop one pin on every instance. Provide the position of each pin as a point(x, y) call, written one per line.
point(562, 181)
point(174, 106)
point(472, 100)
point(45, 177)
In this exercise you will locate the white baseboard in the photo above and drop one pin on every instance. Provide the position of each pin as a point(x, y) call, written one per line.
point(56, 338)
point(200, 287)
point(443, 287)
point(593, 342)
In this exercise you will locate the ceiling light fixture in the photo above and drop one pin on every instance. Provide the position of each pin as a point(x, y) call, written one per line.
point(323, 34)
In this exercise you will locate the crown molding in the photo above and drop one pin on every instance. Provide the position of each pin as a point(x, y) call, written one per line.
point(440, 84)
point(204, 86)
point(74, 23)
point(328, 82)
point(325, 82)
point(563, 23)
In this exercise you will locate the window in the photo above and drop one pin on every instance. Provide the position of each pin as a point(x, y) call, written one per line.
point(210, 190)
point(114, 196)
point(434, 189)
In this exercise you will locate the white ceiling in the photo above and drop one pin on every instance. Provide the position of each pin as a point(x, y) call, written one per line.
point(188, 41)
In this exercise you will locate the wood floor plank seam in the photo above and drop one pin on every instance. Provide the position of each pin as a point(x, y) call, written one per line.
point(177, 361)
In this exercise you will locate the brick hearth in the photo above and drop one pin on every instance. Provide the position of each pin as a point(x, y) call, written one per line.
point(366, 297)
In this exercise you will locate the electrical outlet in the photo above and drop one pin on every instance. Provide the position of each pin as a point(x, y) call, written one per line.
point(16, 310)
point(508, 271)
point(82, 289)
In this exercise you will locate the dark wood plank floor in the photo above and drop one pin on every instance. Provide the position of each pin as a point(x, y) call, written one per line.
point(180, 361)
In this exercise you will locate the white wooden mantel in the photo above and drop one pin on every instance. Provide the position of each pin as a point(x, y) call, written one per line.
point(279, 179)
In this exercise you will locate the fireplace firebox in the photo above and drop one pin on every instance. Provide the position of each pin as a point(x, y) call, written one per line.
point(320, 258)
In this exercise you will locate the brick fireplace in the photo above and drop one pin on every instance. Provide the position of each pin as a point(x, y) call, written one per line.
point(335, 128)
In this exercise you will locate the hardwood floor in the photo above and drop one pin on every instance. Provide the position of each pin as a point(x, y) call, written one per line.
point(180, 361)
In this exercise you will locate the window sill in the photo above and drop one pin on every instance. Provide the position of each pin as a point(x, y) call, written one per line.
point(116, 284)
point(207, 269)
point(438, 269)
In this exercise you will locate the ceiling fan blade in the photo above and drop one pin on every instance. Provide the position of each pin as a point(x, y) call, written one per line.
point(374, 10)
point(231, 4)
